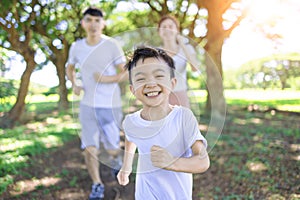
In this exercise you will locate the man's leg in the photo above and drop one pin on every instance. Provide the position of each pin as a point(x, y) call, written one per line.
point(115, 161)
point(90, 144)
point(92, 163)
point(110, 121)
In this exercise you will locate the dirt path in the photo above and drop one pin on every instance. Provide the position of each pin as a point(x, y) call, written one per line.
point(60, 175)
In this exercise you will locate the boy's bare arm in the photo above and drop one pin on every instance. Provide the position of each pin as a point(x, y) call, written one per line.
point(129, 154)
point(198, 163)
point(123, 175)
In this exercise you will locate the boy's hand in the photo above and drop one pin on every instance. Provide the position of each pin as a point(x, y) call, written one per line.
point(161, 158)
point(123, 177)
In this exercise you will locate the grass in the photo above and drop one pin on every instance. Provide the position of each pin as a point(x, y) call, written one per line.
point(18, 145)
point(288, 100)
point(257, 154)
point(248, 155)
point(258, 151)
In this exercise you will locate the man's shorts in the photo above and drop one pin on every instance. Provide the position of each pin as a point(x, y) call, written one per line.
point(100, 125)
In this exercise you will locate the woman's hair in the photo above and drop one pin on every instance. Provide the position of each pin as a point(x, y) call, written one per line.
point(144, 52)
point(163, 18)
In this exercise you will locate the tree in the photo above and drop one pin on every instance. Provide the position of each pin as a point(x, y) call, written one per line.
point(4, 58)
point(219, 18)
point(17, 38)
point(7, 89)
point(56, 32)
point(272, 71)
point(50, 26)
point(29, 26)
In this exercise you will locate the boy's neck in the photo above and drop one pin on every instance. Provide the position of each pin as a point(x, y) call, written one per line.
point(155, 113)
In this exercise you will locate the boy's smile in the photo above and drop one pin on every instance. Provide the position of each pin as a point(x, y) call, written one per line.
point(152, 94)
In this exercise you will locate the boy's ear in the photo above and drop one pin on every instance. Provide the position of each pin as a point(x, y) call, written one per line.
point(173, 82)
point(131, 89)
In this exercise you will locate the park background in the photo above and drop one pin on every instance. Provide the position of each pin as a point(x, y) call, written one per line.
point(252, 45)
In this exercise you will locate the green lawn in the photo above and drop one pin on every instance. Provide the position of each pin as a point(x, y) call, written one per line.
point(50, 130)
point(287, 100)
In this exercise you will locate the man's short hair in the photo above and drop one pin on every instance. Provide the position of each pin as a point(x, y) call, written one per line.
point(93, 11)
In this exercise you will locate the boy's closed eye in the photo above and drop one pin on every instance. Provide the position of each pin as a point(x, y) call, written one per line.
point(139, 79)
point(160, 76)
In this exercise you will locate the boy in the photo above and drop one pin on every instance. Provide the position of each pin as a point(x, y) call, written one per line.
point(169, 143)
point(99, 58)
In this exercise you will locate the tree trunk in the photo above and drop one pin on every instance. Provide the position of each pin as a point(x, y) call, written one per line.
point(215, 104)
point(10, 118)
point(63, 102)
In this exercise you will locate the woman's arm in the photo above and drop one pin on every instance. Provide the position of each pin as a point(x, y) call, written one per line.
point(191, 56)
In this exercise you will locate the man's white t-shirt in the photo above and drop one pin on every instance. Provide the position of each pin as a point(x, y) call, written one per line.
point(177, 133)
point(101, 58)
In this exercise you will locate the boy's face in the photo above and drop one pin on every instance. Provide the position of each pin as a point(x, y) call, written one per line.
point(151, 82)
point(93, 25)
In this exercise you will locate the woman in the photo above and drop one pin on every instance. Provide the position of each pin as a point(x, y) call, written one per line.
point(182, 52)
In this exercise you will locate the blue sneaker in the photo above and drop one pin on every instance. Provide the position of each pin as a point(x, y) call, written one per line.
point(97, 192)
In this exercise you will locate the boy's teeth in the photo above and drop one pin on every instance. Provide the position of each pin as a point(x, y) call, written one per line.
point(151, 94)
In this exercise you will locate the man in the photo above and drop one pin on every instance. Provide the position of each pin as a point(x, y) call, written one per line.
point(100, 60)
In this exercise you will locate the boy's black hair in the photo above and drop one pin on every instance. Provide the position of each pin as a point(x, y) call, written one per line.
point(144, 52)
point(93, 11)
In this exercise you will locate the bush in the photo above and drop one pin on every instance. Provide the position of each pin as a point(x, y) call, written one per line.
point(7, 89)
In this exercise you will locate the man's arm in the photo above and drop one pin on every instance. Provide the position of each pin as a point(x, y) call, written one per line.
point(122, 75)
point(71, 74)
point(198, 163)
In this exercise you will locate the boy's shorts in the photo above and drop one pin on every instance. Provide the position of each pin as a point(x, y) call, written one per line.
point(100, 125)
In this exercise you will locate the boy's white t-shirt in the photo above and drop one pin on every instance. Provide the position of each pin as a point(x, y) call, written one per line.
point(101, 58)
point(177, 133)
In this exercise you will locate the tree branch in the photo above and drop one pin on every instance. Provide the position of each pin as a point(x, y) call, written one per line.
point(152, 7)
point(236, 23)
